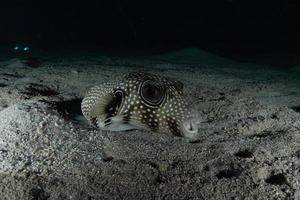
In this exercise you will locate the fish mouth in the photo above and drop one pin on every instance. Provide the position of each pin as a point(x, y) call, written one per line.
point(189, 129)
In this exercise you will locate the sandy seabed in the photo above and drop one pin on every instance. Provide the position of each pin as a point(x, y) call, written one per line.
point(248, 145)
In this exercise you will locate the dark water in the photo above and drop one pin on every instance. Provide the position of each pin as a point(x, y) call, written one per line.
point(260, 32)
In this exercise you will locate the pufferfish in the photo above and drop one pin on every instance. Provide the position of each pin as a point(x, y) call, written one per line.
point(139, 101)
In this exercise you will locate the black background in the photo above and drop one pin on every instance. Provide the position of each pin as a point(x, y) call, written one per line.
point(262, 31)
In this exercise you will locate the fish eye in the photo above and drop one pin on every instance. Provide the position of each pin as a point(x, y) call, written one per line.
point(152, 93)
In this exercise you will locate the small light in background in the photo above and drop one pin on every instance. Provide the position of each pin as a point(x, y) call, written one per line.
point(26, 48)
point(16, 48)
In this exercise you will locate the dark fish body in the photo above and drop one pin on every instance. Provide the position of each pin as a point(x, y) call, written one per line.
point(139, 101)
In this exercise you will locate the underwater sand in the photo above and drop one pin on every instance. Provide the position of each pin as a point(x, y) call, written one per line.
point(248, 145)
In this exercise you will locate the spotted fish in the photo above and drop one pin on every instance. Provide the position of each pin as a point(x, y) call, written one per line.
point(139, 101)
